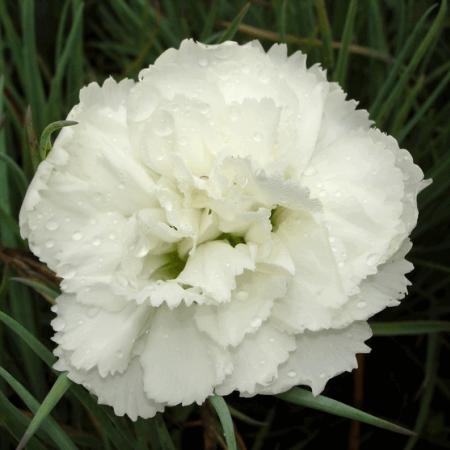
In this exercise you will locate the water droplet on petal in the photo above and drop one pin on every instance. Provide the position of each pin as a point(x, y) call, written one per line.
point(119, 354)
point(291, 373)
point(361, 304)
point(257, 137)
point(96, 242)
point(271, 340)
point(92, 312)
point(112, 236)
point(52, 226)
point(256, 322)
point(242, 295)
point(50, 244)
point(77, 236)
point(80, 322)
point(202, 62)
point(322, 375)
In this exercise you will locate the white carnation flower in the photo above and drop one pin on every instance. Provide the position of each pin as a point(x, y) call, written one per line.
point(228, 222)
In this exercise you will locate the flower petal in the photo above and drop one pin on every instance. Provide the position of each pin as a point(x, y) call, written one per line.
point(320, 356)
point(257, 359)
point(181, 364)
point(250, 305)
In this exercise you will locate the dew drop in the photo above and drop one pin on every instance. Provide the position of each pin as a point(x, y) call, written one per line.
point(163, 128)
point(52, 226)
point(202, 62)
point(204, 109)
point(92, 312)
point(80, 322)
point(242, 295)
point(322, 375)
point(121, 186)
point(96, 242)
point(271, 340)
point(112, 236)
point(77, 236)
point(256, 322)
point(50, 244)
point(119, 355)
point(361, 304)
point(257, 137)
point(262, 362)
point(291, 374)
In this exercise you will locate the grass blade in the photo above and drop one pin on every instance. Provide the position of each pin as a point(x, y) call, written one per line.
point(45, 143)
point(52, 429)
point(429, 38)
point(160, 437)
point(56, 392)
point(429, 385)
point(37, 347)
point(424, 108)
point(34, 87)
point(325, 32)
point(303, 397)
point(408, 328)
point(47, 292)
point(340, 73)
point(398, 62)
point(224, 415)
point(232, 29)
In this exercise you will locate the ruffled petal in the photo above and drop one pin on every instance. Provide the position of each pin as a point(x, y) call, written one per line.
point(249, 307)
point(320, 356)
point(87, 333)
point(123, 391)
point(257, 359)
point(181, 364)
point(214, 266)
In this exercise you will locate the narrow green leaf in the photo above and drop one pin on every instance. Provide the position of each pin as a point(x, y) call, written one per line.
point(398, 62)
point(56, 84)
point(410, 327)
point(325, 32)
point(282, 20)
point(45, 144)
point(38, 348)
point(53, 397)
point(160, 437)
point(431, 368)
point(52, 429)
point(424, 108)
point(303, 397)
point(15, 170)
point(16, 422)
point(46, 291)
point(427, 41)
point(224, 415)
point(244, 418)
point(340, 73)
point(232, 29)
point(9, 225)
point(33, 85)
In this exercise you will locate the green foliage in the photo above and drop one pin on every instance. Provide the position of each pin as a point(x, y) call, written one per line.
point(390, 54)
